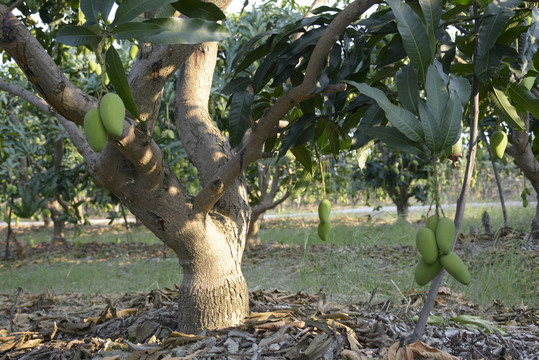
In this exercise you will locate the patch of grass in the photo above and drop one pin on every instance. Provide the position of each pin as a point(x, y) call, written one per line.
point(91, 277)
point(363, 254)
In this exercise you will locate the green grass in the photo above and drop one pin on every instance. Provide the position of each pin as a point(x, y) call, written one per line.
point(362, 255)
point(91, 277)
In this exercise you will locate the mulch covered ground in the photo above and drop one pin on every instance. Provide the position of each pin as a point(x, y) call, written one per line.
point(282, 325)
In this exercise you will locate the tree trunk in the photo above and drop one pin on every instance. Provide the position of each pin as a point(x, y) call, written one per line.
point(253, 238)
point(213, 293)
point(58, 222)
point(402, 210)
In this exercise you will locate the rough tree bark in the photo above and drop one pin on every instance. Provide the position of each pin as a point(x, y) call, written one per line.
point(208, 231)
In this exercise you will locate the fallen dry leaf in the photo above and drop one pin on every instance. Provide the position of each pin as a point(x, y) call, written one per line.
point(426, 351)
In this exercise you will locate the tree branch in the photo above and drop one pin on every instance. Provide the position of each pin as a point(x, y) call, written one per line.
point(208, 196)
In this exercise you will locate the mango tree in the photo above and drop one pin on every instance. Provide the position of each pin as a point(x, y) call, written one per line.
point(208, 230)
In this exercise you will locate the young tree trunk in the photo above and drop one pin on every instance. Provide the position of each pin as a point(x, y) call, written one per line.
point(253, 237)
point(401, 197)
point(57, 211)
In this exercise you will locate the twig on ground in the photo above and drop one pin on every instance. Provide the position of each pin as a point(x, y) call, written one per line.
point(12, 310)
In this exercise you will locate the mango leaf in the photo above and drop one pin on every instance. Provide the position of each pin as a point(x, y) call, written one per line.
point(130, 9)
point(303, 155)
point(400, 118)
point(462, 87)
point(505, 110)
point(240, 111)
point(362, 154)
point(451, 122)
point(432, 13)
point(92, 8)
point(485, 66)
point(199, 9)
point(431, 127)
point(304, 179)
point(235, 85)
point(332, 131)
point(185, 31)
point(407, 88)
point(524, 99)
point(436, 89)
point(251, 57)
point(135, 30)
point(491, 28)
point(414, 35)
point(394, 138)
point(116, 73)
point(74, 35)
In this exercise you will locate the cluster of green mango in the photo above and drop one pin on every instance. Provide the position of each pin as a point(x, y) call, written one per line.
point(434, 243)
point(106, 119)
point(498, 144)
point(324, 226)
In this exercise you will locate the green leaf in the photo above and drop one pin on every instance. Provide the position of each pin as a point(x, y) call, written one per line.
point(407, 88)
point(414, 35)
point(400, 118)
point(304, 179)
point(184, 31)
point(235, 85)
point(485, 66)
point(524, 99)
point(432, 12)
point(251, 57)
point(303, 155)
point(436, 89)
point(240, 111)
point(431, 127)
point(394, 138)
point(462, 88)
point(90, 9)
point(332, 131)
point(130, 9)
point(491, 28)
point(135, 30)
point(451, 124)
point(199, 9)
point(116, 73)
point(362, 154)
point(505, 110)
point(73, 35)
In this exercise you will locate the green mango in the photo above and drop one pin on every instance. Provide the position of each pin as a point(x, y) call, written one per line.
point(112, 111)
point(432, 222)
point(95, 132)
point(323, 230)
point(133, 51)
point(424, 273)
point(426, 244)
point(445, 234)
point(454, 265)
point(324, 208)
point(498, 144)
